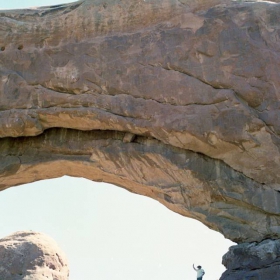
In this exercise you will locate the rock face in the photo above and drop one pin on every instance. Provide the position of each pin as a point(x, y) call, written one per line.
point(31, 256)
point(253, 261)
point(174, 99)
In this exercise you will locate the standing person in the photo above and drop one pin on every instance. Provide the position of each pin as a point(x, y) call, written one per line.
point(200, 272)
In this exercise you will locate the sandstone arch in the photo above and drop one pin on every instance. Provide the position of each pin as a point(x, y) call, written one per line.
point(175, 99)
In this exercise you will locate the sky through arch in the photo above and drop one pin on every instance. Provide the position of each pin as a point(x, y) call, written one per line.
point(110, 233)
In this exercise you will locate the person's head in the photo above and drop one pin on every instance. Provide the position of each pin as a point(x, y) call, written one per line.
point(199, 266)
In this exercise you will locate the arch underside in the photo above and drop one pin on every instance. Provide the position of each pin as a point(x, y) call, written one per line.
point(175, 100)
point(186, 182)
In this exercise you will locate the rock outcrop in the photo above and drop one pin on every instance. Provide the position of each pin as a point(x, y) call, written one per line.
point(31, 256)
point(174, 99)
point(253, 261)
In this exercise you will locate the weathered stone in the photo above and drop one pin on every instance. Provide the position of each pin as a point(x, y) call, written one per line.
point(190, 77)
point(174, 99)
point(211, 67)
point(259, 261)
point(31, 256)
point(128, 137)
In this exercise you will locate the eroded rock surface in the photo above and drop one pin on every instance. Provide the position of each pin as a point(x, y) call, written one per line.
point(174, 99)
point(189, 183)
point(31, 256)
point(253, 261)
point(202, 80)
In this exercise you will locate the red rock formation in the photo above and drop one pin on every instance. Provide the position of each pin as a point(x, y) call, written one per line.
point(174, 99)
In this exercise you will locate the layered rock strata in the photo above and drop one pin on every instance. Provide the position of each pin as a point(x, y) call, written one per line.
point(174, 99)
point(28, 255)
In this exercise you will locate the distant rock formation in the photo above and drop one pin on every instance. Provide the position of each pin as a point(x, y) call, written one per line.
point(31, 256)
point(177, 100)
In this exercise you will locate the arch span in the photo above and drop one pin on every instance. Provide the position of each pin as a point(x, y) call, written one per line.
point(174, 99)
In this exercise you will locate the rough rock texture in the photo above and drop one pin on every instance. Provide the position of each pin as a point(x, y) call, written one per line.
point(253, 261)
point(31, 256)
point(174, 99)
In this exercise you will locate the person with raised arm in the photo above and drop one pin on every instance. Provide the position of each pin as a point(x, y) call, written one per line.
point(200, 272)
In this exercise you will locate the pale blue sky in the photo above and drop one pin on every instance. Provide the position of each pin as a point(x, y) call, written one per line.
point(109, 233)
point(106, 232)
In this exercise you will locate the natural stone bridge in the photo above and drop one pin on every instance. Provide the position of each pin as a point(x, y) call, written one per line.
point(177, 100)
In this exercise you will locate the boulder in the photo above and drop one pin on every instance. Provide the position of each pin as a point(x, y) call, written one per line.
point(28, 255)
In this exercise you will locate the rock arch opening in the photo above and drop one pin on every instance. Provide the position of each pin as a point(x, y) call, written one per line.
point(177, 100)
point(109, 233)
point(186, 182)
